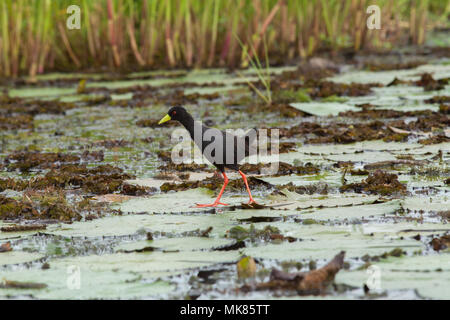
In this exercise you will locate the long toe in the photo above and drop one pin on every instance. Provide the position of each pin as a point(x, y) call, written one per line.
point(199, 205)
point(215, 204)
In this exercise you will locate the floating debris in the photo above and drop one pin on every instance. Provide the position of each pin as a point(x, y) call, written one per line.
point(8, 284)
point(378, 182)
point(441, 243)
point(315, 282)
point(23, 227)
point(269, 233)
point(5, 247)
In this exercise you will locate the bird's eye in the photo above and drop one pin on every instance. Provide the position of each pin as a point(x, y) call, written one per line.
point(174, 113)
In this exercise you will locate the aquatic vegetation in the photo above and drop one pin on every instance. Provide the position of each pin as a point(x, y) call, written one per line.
point(213, 183)
point(317, 188)
point(153, 123)
point(246, 268)
point(17, 105)
point(23, 227)
point(263, 74)
point(17, 122)
point(98, 180)
point(287, 96)
point(430, 84)
point(193, 167)
point(438, 99)
point(252, 234)
point(378, 182)
point(40, 206)
point(93, 184)
point(325, 89)
point(283, 168)
point(24, 161)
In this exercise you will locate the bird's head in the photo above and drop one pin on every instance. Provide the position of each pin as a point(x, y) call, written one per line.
point(175, 113)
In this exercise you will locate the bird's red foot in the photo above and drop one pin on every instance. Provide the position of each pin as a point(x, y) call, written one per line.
point(215, 204)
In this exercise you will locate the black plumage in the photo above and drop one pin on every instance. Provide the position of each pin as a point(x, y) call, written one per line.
point(223, 149)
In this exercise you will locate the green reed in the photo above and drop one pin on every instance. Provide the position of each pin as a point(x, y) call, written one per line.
point(132, 34)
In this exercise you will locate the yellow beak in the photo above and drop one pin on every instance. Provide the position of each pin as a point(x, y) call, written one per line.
point(165, 119)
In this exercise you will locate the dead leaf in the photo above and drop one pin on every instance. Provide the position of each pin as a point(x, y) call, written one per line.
point(397, 130)
point(23, 227)
point(113, 198)
point(417, 133)
point(394, 163)
point(205, 233)
point(7, 284)
point(313, 282)
point(321, 278)
point(5, 247)
point(441, 243)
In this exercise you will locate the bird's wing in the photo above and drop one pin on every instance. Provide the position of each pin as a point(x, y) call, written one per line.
point(244, 144)
point(224, 146)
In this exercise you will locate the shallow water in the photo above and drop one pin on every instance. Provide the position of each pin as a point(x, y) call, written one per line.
point(110, 257)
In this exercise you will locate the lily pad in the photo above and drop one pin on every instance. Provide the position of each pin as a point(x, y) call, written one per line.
point(429, 275)
point(168, 203)
point(62, 283)
point(17, 257)
point(325, 242)
point(323, 108)
point(385, 77)
point(367, 211)
point(176, 244)
point(149, 262)
point(298, 201)
point(130, 224)
point(366, 157)
point(41, 92)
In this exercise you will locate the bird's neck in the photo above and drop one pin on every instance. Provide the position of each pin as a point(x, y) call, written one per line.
point(189, 123)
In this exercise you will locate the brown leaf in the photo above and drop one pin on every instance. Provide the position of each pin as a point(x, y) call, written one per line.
point(5, 247)
point(321, 278)
point(112, 197)
point(21, 227)
point(313, 282)
point(21, 285)
point(441, 243)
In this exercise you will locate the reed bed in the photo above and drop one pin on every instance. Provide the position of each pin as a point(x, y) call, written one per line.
point(150, 34)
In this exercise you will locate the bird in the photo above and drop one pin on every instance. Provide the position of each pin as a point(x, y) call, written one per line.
point(215, 145)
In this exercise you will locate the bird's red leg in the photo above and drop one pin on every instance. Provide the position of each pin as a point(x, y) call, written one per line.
point(217, 202)
point(248, 189)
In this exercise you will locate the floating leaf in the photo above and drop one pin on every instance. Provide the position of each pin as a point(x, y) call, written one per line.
point(246, 267)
